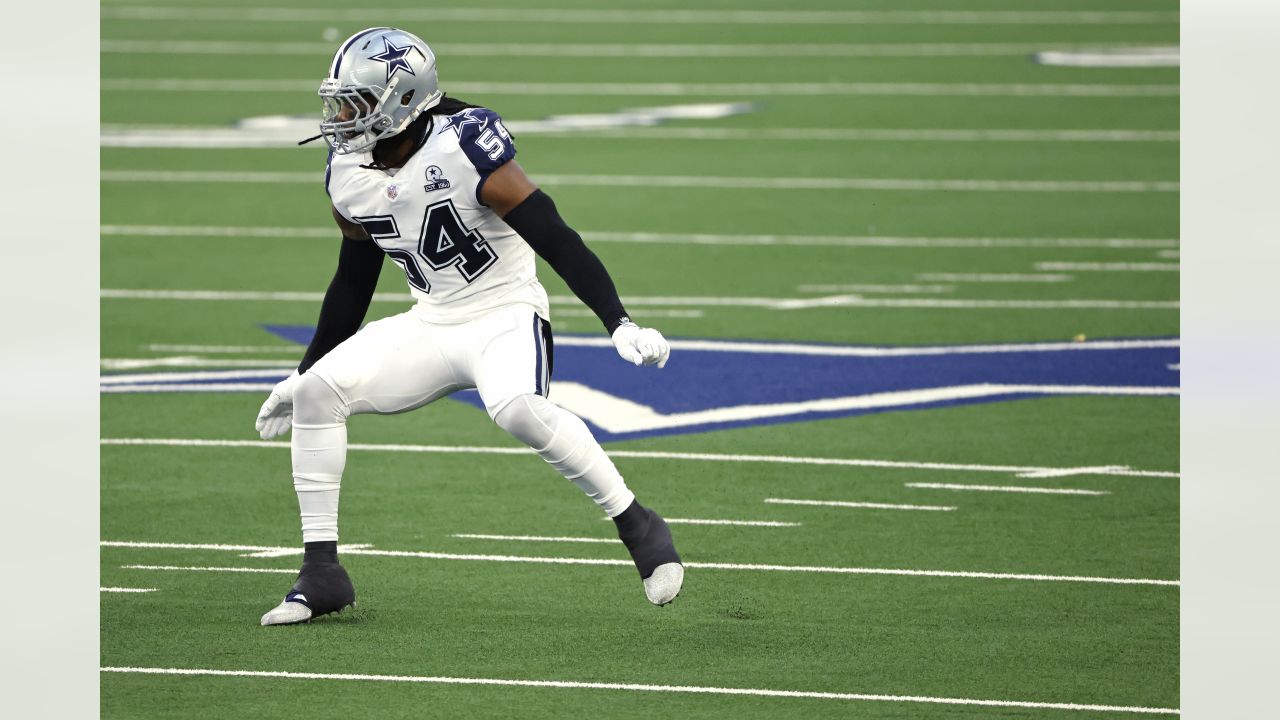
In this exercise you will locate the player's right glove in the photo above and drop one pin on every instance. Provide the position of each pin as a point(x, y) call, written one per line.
point(641, 346)
point(276, 416)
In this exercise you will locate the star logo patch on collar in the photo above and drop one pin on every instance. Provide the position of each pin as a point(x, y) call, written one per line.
point(395, 58)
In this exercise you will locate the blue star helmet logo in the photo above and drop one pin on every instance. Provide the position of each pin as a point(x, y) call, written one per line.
point(394, 57)
point(463, 119)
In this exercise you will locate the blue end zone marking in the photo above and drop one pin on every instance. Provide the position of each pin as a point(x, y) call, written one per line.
point(300, 334)
point(711, 380)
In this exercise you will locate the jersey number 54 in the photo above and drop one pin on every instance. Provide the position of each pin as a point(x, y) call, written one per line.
point(442, 242)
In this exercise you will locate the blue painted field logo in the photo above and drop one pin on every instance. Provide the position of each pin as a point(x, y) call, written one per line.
point(718, 384)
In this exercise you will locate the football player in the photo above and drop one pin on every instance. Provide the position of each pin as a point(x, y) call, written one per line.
point(432, 183)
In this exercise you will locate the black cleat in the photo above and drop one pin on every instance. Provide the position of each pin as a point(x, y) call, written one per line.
point(649, 541)
point(321, 588)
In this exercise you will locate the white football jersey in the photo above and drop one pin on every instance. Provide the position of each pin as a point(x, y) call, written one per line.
point(460, 259)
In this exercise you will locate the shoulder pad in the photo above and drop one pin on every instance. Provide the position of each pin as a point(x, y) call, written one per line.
point(482, 137)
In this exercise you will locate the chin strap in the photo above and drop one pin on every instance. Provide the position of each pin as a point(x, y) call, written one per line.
point(311, 139)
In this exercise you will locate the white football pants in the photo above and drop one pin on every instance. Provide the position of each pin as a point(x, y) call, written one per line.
point(403, 362)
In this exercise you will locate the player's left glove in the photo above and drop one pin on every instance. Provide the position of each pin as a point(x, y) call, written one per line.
point(641, 346)
point(276, 415)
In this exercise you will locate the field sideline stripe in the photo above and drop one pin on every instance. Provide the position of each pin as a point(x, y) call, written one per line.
point(689, 181)
point(652, 17)
point(125, 590)
point(655, 455)
point(584, 89)
point(540, 560)
point(637, 687)
point(630, 50)
point(778, 304)
point(204, 231)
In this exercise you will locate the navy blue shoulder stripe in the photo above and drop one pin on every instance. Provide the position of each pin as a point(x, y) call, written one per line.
point(337, 59)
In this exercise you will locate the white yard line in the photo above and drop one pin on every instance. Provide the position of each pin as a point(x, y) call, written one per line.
point(786, 348)
point(770, 348)
point(209, 231)
point(654, 17)
point(206, 568)
point(994, 277)
point(860, 505)
point(134, 136)
point(1112, 57)
point(230, 349)
point(874, 134)
point(740, 523)
point(1098, 470)
point(580, 312)
point(295, 550)
point(232, 295)
point(756, 567)
point(169, 387)
point(1005, 488)
point(871, 288)
point(188, 361)
point(855, 301)
point(638, 687)
point(1110, 266)
point(200, 375)
point(771, 303)
point(628, 50)
point(537, 538)
point(125, 590)
point(658, 455)
point(664, 89)
point(1168, 254)
point(687, 181)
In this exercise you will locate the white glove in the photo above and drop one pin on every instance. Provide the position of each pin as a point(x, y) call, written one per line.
point(641, 346)
point(276, 416)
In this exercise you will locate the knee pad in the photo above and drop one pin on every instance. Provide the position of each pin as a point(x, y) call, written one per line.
point(531, 419)
point(559, 436)
point(565, 442)
point(316, 404)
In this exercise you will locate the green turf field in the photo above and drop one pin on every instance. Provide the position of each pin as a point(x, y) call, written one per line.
point(898, 173)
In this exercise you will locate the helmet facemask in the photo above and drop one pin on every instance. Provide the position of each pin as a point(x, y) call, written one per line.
point(352, 119)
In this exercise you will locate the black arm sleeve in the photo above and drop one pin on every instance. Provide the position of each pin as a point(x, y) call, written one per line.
point(538, 222)
point(347, 299)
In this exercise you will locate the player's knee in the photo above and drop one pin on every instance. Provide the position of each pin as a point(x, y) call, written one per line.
point(315, 403)
point(531, 419)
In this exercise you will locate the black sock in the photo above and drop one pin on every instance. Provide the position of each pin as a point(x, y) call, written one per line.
point(324, 551)
point(632, 522)
point(647, 538)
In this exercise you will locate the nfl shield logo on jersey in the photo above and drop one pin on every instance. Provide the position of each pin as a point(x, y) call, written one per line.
point(393, 191)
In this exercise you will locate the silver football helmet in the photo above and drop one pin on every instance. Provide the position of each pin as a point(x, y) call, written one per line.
point(381, 79)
